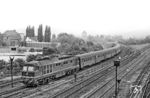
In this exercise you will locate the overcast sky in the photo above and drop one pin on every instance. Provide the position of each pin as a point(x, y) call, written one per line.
point(130, 18)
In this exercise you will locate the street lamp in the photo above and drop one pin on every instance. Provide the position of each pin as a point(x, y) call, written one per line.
point(11, 61)
point(116, 64)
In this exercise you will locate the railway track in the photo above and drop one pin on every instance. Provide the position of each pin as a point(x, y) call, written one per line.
point(72, 91)
point(86, 74)
point(139, 81)
point(8, 83)
point(11, 92)
point(110, 91)
point(146, 89)
point(23, 92)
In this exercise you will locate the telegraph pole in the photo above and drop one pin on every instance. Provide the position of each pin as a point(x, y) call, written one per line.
point(11, 61)
point(116, 64)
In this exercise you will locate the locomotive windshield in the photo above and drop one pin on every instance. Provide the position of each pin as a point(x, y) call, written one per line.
point(28, 68)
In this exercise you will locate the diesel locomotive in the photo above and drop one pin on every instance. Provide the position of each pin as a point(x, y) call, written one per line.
point(43, 71)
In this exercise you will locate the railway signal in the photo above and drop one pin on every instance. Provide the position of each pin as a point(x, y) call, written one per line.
point(11, 61)
point(116, 64)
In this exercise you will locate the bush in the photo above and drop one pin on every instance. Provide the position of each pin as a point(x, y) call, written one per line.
point(32, 50)
point(30, 58)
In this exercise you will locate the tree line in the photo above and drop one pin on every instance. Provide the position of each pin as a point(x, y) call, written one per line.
point(134, 41)
point(30, 32)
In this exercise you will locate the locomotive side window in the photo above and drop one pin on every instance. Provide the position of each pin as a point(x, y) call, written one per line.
point(30, 68)
point(50, 68)
point(24, 68)
point(82, 60)
point(57, 64)
point(65, 62)
point(36, 68)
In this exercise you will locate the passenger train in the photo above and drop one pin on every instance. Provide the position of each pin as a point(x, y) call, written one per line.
point(41, 72)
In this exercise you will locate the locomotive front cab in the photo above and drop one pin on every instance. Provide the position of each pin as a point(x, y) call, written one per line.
point(28, 70)
point(29, 73)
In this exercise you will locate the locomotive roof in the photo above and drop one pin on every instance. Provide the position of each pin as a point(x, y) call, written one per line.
point(45, 62)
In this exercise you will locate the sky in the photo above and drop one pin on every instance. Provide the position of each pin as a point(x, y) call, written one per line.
point(129, 18)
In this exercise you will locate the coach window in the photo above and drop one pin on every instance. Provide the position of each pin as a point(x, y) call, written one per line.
point(84, 60)
point(66, 62)
point(44, 70)
point(50, 68)
point(70, 61)
point(47, 68)
point(61, 64)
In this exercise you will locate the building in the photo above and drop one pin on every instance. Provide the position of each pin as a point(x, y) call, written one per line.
point(32, 42)
point(11, 38)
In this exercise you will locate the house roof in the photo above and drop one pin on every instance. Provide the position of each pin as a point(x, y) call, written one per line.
point(12, 33)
